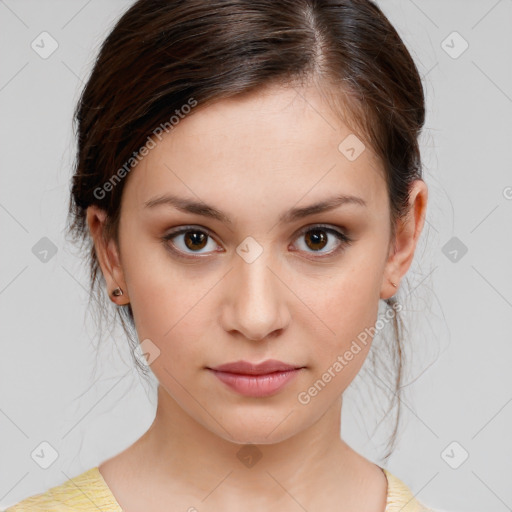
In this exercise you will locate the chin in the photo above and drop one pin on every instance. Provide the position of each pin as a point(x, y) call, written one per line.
point(257, 433)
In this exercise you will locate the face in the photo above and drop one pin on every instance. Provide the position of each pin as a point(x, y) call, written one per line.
point(250, 276)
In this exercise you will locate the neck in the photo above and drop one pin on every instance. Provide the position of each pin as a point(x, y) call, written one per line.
point(178, 449)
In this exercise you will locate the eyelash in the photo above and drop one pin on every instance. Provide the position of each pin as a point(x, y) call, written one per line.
point(342, 237)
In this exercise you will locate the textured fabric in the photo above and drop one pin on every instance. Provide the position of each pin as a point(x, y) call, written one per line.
point(400, 498)
point(89, 492)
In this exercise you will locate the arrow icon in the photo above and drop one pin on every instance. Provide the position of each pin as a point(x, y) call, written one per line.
point(454, 252)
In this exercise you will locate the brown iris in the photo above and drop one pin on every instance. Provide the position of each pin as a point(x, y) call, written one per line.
point(195, 239)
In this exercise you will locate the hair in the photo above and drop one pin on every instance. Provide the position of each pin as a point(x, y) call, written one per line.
point(162, 55)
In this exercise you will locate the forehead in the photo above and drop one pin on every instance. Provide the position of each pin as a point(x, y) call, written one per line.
point(275, 145)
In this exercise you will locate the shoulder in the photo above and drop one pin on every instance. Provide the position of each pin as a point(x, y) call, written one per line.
point(400, 497)
point(88, 491)
point(85, 492)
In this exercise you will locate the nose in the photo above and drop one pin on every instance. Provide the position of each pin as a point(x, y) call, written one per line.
point(255, 300)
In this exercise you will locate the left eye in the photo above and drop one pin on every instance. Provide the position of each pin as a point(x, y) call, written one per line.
point(316, 238)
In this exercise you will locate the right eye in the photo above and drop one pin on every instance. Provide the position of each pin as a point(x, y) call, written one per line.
point(190, 240)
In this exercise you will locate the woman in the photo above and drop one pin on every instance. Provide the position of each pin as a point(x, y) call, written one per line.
point(250, 178)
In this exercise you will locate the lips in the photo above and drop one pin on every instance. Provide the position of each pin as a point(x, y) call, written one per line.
point(256, 380)
point(264, 368)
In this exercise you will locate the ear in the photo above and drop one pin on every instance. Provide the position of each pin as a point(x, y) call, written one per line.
point(107, 253)
point(408, 231)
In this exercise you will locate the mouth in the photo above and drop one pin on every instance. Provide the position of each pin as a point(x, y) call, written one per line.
point(266, 367)
point(256, 380)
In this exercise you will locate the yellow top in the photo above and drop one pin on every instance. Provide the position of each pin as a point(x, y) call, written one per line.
point(89, 492)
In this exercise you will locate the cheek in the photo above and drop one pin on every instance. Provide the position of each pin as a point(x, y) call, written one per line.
point(341, 329)
point(172, 319)
point(168, 305)
point(350, 318)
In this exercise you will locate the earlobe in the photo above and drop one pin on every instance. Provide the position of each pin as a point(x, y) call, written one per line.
point(107, 253)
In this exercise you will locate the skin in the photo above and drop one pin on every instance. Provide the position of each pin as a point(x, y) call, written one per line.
point(253, 157)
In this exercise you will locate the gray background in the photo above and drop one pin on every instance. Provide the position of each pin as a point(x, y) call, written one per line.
point(55, 386)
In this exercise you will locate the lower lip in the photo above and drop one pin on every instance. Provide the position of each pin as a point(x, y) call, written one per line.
point(256, 385)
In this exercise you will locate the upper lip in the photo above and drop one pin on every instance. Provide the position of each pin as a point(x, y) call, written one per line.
point(246, 368)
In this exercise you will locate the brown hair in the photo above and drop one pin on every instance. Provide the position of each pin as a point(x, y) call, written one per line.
point(162, 54)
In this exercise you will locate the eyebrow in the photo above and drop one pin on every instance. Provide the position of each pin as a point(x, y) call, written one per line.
point(297, 213)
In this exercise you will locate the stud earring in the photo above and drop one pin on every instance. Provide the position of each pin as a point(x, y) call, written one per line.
point(393, 284)
point(117, 292)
